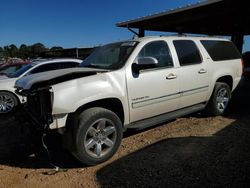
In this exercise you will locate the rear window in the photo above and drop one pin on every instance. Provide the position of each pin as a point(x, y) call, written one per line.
point(221, 50)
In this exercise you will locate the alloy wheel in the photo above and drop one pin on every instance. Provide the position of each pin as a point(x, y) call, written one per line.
point(100, 138)
point(222, 99)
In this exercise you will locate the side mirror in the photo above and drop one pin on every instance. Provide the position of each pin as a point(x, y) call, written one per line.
point(144, 63)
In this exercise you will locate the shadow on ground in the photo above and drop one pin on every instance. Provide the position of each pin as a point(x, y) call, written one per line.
point(219, 160)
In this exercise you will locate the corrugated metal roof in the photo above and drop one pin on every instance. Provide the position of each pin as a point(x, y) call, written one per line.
point(168, 12)
point(214, 17)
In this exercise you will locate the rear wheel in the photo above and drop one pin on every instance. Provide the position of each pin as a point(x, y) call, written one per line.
point(219, 100)
point(7, 102)
point(98, 136)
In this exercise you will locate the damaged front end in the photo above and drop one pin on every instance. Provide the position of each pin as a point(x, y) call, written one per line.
point(37, 88)
point(39, 106)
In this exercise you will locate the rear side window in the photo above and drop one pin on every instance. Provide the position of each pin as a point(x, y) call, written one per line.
point(221, 50)
point(187, 51)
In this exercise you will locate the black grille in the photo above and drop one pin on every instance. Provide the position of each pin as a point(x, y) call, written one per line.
point(39, 106)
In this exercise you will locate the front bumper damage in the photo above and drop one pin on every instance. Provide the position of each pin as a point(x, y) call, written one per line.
point(38, 106)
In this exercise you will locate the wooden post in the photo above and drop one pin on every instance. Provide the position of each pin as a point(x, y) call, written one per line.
point(141, 32)
point(238, 40)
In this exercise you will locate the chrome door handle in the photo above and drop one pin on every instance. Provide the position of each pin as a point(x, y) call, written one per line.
point(202, 71)
point(171, 76)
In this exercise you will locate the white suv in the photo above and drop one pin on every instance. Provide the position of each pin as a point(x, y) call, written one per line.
point(132, 84)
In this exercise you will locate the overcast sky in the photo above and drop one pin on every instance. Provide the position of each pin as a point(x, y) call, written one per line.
point(73, 23)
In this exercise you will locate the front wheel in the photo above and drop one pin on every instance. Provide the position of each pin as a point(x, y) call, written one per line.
point(98, 136)
point(219, 100)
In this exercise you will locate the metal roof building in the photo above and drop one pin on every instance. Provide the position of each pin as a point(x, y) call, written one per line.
point(213, 17)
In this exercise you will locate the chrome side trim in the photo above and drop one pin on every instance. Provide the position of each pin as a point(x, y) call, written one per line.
point(169, 97)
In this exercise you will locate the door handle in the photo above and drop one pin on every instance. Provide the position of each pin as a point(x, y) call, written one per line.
point(171, 76)
point(202, 71)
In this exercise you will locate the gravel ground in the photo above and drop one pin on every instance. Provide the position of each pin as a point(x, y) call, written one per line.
point(192, 151)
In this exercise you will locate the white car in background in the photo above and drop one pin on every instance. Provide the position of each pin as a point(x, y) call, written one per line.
point(8, 98)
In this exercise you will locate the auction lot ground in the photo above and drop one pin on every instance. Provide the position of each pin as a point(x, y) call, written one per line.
point(193, 151)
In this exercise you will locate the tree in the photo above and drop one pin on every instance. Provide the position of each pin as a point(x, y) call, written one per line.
point(24, 51)
point(56, 48)
point(37, 49)
point(1, 53)
point(6, 51)
point(13, 50)
point(33, 51)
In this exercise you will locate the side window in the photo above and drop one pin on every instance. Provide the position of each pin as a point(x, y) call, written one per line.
point(47, 67)
point(66, 65)
point(221, 50)
point(160, 51)
point(187, 51)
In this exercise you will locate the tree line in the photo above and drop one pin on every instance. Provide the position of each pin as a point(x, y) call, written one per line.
point(25, 51)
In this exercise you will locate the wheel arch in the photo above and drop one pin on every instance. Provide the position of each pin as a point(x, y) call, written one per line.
point(226, 79)
point(113, 104)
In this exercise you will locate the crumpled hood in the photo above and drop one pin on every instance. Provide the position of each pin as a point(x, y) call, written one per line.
point(39, 80)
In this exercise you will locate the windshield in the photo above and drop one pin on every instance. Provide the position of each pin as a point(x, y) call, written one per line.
point(20, 71)
point(111, 56)
point(7, 70)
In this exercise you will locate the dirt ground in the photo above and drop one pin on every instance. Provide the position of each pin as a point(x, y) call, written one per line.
point(192, 151)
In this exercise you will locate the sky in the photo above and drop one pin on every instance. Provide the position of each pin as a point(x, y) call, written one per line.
point(74, 23)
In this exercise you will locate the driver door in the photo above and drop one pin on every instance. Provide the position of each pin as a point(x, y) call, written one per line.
point(153, 91)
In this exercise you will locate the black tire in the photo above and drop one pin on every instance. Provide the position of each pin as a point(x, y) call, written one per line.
point(87, 131)
point(12, 98)
point(215, 105)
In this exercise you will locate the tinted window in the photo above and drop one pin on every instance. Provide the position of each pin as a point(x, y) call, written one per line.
point(66, 65)
point(187, 51)
point(221, 50)
point(47, 67)
point(160, 51)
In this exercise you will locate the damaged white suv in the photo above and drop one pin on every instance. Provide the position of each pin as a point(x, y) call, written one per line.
point(132, 84)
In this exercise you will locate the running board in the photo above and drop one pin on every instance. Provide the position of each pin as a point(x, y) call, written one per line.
point(142, 124)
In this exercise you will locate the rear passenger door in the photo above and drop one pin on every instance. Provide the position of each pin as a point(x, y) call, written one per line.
point(193, 73)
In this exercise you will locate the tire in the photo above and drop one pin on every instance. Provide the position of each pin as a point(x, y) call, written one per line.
point(8, 102)
point(219, 100)
point(98, 136)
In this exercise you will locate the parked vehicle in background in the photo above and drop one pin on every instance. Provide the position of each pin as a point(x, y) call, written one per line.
point(9, 68)
point(8, 98)
point(132, 84)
